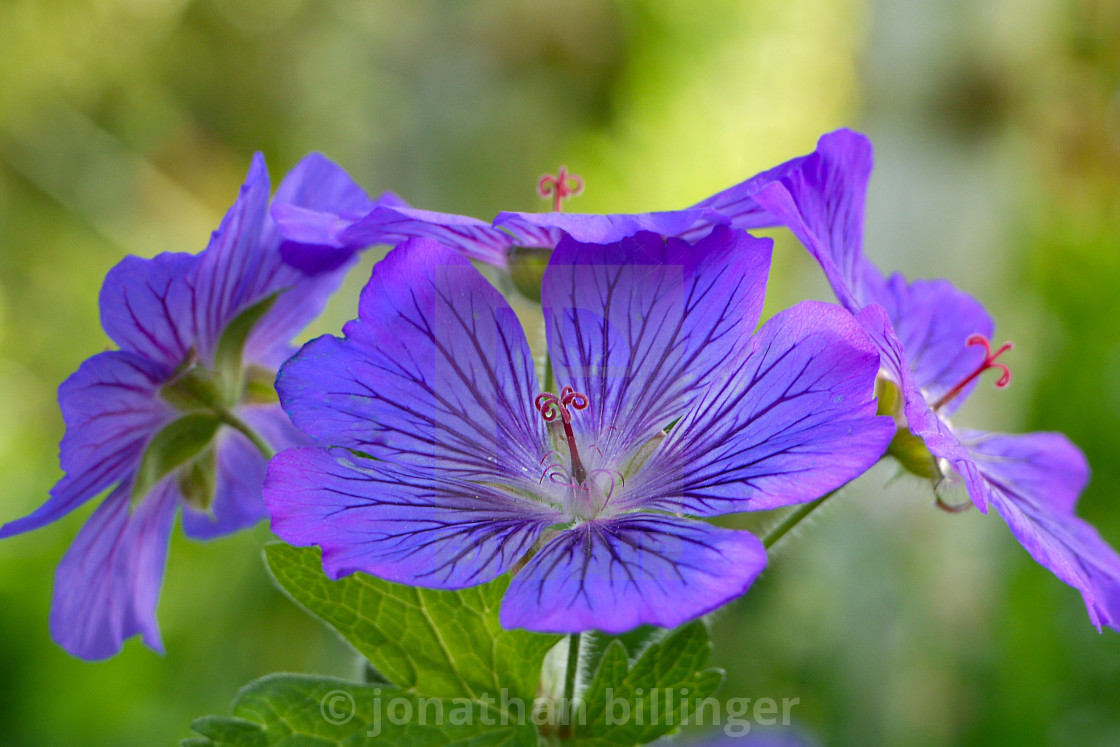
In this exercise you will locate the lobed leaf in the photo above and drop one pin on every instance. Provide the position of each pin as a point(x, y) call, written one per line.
point(309, 711)
point(634, 704)
point(440, 643)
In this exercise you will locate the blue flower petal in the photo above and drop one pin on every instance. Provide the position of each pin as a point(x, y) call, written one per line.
point(436, 372)
point(397, 523)
point(821, 200)
point(473, 238)
point(107, 585)
point(147, 307)
point(1033, 480)
point(321, 200)
point(791, 420)
point(738, 205)
point(608, 229)
point(639, 569)
point(643, 325)
point(933, 321)
point(111, 409)
point(242, 265)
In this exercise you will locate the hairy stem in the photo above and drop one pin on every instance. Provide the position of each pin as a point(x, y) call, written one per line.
point(572, 672)
point(792, 519)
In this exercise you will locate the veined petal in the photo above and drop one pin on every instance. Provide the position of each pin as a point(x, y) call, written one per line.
point(738, 204)
point(316, 183)
point(323, 201)
point(920, 417)
point(243, 265)
point(238, 502)
point(397, 523)
point(642, 326)
point(1033, 480)
point(112, 409)
point(791, 420)
point(821, 199)
point(473, 238)
point(436, 371)
point(147, 307)
point(608, 229)
point(236, 269)
point(107, 585)
point(638, 569)
point(933, 320)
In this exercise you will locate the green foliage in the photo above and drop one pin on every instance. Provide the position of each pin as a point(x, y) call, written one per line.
point(634, 704)
point(303, 710)
point(448, 674)
point(441, 643)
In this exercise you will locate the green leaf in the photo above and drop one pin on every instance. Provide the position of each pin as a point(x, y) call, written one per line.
point(634, 704)
point(441, 643)
point(595, 644)
point(231, 345)
point(176, 444)
point(307, 711)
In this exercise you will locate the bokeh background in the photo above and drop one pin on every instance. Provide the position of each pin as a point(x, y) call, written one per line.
point(126, 126)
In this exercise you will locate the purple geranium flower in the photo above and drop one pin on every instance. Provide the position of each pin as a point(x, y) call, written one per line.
point(450, 464)
point(184, 414)
point(934, 342)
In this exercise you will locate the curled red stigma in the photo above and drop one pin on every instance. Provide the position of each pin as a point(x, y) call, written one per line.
point(551, 407)
point(559, 187)
point(988, 362)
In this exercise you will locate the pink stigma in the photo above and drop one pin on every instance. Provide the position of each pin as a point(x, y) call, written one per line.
point(559, 187)
point(988, 362)
point(551, 407)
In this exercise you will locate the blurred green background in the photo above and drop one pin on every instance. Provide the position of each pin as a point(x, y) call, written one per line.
point(126, 126)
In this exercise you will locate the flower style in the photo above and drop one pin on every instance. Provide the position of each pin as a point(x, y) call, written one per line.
point(935, 343)
point(184, 414)
point(449, 466)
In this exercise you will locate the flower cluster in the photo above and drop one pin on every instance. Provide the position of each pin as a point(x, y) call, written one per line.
point(424, 447)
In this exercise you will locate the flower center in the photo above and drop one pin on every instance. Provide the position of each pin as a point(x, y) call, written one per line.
point(559, 187)
point(988, 362)
point(551, 407)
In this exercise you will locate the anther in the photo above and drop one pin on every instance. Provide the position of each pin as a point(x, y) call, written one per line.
point(988, 362)
point(559, 187)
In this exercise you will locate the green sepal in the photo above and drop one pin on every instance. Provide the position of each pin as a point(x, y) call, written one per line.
point(911, 453)
point(526, 269)
point(198, 480)
point(889, 398)
point(439, 643)
point(231, 345)
point(176, 444)
point(665, 683)
point(194, 389)
point(291, 710)
point(260, 386)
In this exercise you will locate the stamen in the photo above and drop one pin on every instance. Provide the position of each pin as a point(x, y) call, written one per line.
point(952, 508)
point(609, 473)
point(551, 407)
point(559, 187)
point(989, 362)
